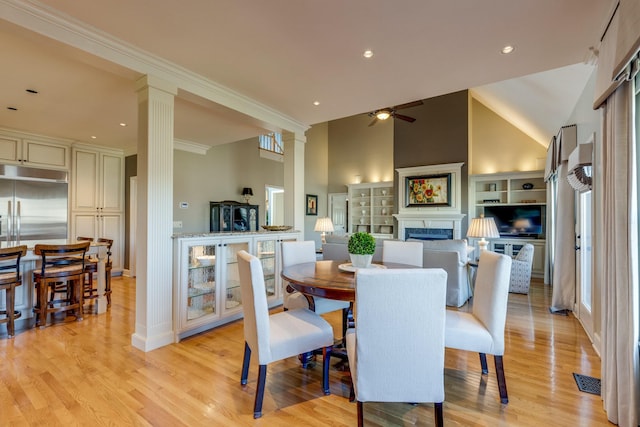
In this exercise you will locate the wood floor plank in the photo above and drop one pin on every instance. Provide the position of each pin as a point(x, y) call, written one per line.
point(87, 373)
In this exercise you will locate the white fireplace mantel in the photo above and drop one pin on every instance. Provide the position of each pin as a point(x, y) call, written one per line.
point(446, 217)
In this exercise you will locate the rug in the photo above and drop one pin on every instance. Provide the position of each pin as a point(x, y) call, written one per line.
point(587, 384)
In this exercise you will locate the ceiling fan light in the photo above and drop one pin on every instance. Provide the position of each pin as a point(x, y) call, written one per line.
point(383, 115)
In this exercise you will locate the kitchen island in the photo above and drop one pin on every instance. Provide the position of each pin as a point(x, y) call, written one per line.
point(25, 294)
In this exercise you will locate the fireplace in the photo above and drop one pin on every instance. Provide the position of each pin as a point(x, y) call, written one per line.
point(430, 222)
point(428, 233)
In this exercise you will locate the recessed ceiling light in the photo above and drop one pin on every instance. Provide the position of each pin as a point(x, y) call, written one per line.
point(123, 124)
point(31, 91)
point(507, 49)
point(316, 103)
point(93, 137)
point(12, 108)
point(368, 53)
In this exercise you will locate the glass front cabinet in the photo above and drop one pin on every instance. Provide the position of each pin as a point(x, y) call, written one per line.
point(207, 278)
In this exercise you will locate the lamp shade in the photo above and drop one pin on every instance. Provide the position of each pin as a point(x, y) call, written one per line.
point(247, 191)
point(483, 228)
point(324, 225)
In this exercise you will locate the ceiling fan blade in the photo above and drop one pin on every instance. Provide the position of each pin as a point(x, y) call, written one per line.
point(405, 118)
point(408, 105)
point(373, 122)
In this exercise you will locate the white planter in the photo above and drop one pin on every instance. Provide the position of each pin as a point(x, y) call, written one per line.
point(361, 261)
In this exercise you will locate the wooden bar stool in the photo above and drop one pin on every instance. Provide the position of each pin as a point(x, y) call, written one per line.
point(9, 279)
point(90, 267)
point(62, 270)
point(107, 269)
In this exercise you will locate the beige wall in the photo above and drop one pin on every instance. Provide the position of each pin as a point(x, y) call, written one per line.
point(357, 149)
point(498, 146)
point(220, 175)
point(316, 163)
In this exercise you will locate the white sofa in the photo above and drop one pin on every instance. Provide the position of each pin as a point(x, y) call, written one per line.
point(451, 255)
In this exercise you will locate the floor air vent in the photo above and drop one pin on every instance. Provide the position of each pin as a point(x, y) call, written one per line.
point(587, 384)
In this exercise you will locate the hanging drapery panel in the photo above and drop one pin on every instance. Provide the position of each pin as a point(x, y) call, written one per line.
point(628, 36)
point(619, 45)
point(615, 219)
point(551, 163)
point(564, 275)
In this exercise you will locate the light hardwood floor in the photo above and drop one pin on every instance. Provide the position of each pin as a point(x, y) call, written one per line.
point(87, 373)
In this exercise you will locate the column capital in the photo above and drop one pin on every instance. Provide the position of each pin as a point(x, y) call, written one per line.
point(157, 83)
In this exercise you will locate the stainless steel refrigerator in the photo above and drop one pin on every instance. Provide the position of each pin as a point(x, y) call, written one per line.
point(33, 205)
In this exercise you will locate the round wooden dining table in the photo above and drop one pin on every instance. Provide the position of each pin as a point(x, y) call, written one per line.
point(326, 279)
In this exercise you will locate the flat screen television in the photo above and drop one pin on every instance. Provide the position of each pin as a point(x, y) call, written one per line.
point(518, 221)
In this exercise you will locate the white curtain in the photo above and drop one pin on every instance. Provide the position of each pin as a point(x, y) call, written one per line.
point(616, 259)
point(564, 262)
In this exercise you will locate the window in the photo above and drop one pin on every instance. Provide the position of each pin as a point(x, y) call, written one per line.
point(272, 142)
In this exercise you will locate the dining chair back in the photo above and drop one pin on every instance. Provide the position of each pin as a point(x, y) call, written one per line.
point(62, 270)
point(398, 251)
point(399, 312)
point(10, 278)
point(482, 330)
point(277, 336)
point(299, 253)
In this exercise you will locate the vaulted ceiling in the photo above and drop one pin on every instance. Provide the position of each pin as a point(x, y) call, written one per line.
point(83, 59)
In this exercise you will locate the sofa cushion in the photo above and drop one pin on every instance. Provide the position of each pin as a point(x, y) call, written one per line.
point(456, 245)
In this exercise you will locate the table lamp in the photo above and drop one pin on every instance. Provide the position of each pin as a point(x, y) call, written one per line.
point(324, 225)
point(247, 192)
point(483, 228)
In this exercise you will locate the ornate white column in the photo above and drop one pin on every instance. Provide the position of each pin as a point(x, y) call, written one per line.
point(294, 197)
point(154, 290)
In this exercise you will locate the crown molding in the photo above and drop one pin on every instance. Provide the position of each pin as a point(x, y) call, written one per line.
point(51, 23)
point(191, 147)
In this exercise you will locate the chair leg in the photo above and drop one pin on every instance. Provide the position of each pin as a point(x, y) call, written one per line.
point(502, 382)
point(79, 296)
point(439, 418)
point(42, 302)
point(360, 414)
point(257, 406)
point(483, 363)
point(245, 364)
point(326, 355)
point(107, 287)
point(10, 307)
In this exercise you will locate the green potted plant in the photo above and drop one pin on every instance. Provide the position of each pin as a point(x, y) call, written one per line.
point(361, 248)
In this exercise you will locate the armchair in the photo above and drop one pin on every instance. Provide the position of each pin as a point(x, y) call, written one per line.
point(521, 270)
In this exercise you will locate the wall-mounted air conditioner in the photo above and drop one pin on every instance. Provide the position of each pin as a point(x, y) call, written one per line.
point(579, 167)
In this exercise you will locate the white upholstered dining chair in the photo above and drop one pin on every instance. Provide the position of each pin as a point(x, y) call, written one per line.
point(398, 251)
point(396, 350)
point(277, 336)
point(482, 330)
point(299, 253)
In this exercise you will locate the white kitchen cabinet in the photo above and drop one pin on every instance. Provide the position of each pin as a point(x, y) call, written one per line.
point(97, 182)
point(23, 151)
point(97, 198)
point(97, 225)
point(206, 277)
point(371, 208)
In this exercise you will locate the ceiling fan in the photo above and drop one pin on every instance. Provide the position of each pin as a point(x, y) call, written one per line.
point(385, 113)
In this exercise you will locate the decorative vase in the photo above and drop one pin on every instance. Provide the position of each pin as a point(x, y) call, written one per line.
point(361, 261)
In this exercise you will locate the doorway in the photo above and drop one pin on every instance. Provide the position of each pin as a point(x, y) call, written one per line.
point(274, 209)
point(338, 213)
point(583, 263)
